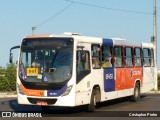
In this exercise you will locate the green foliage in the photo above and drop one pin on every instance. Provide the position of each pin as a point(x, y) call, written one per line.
point(3, 83)
point(8, 78)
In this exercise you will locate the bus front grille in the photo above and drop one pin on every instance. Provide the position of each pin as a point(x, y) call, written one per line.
point(37, 100)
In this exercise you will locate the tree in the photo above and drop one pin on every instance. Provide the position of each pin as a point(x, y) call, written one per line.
point(8, 78)
point(11, 76)
point(3, 82)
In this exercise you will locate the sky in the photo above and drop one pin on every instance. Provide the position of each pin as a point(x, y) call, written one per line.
point(128, 19)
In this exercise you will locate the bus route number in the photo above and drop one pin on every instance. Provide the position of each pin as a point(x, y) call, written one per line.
point(32, 71)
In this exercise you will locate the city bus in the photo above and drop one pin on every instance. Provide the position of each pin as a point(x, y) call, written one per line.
point(72, 70)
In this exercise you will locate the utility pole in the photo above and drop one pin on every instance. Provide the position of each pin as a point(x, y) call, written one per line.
point(33, 30)
point(155, 44)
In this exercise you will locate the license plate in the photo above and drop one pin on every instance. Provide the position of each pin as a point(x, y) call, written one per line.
point(42, 103)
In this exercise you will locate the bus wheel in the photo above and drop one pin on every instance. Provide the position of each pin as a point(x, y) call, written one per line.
point(136, 95)
point(91, 106)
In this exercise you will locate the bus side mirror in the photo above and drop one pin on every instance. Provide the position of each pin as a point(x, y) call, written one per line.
point(11, 58)
point(11, 54)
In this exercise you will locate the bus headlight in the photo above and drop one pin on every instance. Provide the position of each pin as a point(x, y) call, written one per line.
point(67, 91)
point(19, 89)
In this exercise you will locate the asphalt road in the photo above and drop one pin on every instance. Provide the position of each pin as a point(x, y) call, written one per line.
point(148, 106)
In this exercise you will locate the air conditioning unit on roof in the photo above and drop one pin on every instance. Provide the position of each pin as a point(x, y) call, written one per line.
point(70, 33)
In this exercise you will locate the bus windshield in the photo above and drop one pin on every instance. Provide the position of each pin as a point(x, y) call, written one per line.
point(46, 61)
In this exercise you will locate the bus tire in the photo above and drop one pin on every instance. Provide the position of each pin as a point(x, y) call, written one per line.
point(92, 104)
point(136, 95)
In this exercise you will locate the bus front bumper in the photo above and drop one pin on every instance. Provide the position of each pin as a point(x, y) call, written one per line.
point(67, 101)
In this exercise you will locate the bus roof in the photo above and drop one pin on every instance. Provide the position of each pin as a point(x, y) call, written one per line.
point(38, 36)
point(87, 39)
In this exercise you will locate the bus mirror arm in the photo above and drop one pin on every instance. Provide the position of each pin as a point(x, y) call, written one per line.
point(11, 58)
point(11, 54)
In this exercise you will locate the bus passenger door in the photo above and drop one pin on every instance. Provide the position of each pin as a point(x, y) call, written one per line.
point(83, 64)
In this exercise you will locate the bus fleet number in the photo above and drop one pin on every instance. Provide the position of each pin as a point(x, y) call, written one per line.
point(109, 76)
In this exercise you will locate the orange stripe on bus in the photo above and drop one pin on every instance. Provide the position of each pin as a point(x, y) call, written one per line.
point(126, 78)
point(30, 92)
point(38, 36)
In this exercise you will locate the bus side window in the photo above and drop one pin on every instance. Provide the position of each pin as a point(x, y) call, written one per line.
point(129, 57)
point(96, 55)
point(137, 58)
point(146, 57)
point(118, 56)
point(152, 57)
point(107, 56)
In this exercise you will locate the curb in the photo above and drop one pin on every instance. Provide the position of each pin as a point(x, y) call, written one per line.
point(7, 95)
point(153, 92)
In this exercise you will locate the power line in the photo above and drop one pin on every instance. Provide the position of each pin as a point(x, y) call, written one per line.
point(52, 17)
point(113, 9)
